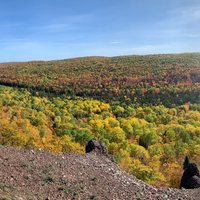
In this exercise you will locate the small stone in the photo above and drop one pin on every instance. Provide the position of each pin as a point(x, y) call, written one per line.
point(19, 198)
point(154, 190)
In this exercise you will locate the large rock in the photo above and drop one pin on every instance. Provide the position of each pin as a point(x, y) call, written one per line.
point(190, 171)
point(99, 148)
point(193, 182)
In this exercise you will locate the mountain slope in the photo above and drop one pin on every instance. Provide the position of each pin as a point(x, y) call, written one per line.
point(148, 79)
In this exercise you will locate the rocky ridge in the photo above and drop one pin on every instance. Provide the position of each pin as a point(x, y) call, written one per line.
point(31, 175)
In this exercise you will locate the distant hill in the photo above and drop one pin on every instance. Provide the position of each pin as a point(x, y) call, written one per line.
point(149, 79)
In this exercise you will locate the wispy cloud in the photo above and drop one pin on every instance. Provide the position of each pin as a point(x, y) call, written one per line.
point(148, 49)
point(185, 15)
point(170, 33)
point(55, 27)
point(7, 25)
point(182, 22)
point(67, 23)
point(19, 46)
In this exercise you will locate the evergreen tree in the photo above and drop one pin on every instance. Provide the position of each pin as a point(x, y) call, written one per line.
point(186, 163)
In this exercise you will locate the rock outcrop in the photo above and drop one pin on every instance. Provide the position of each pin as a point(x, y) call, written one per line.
point(29, 174)
point(193, 182)
point(191, 177)
point(99, 148)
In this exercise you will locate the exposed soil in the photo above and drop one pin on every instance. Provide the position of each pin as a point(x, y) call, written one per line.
point(43, 175)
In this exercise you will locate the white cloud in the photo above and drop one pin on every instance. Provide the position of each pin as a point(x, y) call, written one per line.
point(181, 23)
point(186, 15)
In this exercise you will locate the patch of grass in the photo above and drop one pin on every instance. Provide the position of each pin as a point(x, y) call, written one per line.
point(2, 187)
point(26, 166)
point(51, 179)
point(13, 188)
point(51, 169)
point(5, 198)
point(62, 188)
point(33, 165)
point(44, 171)
point(66, 181)
point(94, 178)
point(38, 195)
point(82, 186)
point(93, 197)
point(33, 170)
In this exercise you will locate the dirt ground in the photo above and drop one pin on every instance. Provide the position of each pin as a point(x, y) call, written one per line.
point(35, 175)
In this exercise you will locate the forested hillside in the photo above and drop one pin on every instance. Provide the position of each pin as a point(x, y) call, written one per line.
point(145, 108)
point(150, 142)
point(152, 79)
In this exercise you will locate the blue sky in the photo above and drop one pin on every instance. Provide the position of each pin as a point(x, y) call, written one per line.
point(60, 29)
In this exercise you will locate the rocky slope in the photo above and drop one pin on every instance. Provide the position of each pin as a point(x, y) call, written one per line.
point(43, 175)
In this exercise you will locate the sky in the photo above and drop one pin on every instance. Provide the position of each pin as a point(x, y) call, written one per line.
point(61, 29)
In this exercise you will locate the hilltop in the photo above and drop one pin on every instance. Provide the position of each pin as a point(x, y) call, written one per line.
point(149, 79)
point(28, 174)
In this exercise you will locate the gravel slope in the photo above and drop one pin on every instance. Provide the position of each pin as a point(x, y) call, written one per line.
point(43, 175)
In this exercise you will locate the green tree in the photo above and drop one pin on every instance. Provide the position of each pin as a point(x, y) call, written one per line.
point(147, 139)
point(186, 162)
point(170, 135)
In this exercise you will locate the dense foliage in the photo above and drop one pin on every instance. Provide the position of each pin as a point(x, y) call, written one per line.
point(172, 79)
point(150, 142)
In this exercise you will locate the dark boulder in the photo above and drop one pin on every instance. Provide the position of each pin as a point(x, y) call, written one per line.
point(99, 148)
point(190, 171)
point(193, 182)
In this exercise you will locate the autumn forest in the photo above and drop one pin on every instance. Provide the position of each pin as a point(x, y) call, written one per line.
point(145, 108)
